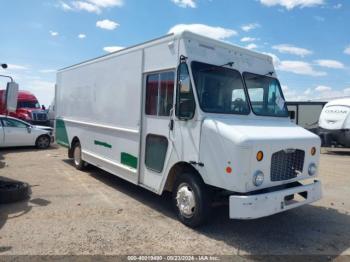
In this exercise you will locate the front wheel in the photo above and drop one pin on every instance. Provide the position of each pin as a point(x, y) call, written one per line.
point(191, 200)
point(43, 142)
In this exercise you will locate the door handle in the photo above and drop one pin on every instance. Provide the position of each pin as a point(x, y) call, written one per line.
point(171, 125)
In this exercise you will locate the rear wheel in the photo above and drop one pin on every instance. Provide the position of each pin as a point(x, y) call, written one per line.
point(43, 142)
point(191, 200)
point(79, 163)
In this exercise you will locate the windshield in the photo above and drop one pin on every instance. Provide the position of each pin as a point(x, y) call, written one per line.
point(265, 95)
point(28, 104)
point(219, 89)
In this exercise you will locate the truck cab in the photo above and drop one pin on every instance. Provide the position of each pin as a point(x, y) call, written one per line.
point(28, 108)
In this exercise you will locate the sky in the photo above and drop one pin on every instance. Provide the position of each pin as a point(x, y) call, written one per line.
point(309, 40)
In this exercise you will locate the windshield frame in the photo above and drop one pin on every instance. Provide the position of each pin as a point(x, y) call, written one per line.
point(279, 88)
point(226, 68)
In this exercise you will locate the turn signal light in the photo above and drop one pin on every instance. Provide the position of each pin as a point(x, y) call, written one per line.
point(259, 155)
point(313, 151)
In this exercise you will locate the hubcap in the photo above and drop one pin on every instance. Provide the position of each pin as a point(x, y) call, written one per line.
point(77, 155)
point(43, 142)
point(185, 200)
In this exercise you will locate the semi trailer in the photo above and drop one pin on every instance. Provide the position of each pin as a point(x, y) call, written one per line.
point(203, 119)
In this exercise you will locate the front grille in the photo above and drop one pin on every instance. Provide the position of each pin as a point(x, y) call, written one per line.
point(39, 116)
point(286, 164)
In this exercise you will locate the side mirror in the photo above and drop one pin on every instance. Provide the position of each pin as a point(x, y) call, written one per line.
point(11, 96)
point(29, 129)
point(186, 109)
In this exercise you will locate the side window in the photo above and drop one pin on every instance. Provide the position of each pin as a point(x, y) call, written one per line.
point(156, 148)
point(13, 123)
point(159, 93)
point(185, 103)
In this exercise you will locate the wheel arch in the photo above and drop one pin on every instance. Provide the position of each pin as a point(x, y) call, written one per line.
point(176, 170)
point(71, 147)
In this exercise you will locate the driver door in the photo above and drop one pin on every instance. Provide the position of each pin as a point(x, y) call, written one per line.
point(156, 144)
point(17, 133)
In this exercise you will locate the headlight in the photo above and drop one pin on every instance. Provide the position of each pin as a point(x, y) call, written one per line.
point(312, 169)
point(258, 178)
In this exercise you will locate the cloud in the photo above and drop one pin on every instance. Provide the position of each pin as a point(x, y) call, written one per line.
point(290, 49)
point(107, 24)
point(320, 92)
point(295, 67)
point(47, 71)
point(91, 6)
point(16, 67)
point(53, 33)
point(44, 90)
point(251, 46)
point(323, 88)
point(249, 27)
point(299, 67)
point(248, 39)
point(85, 6)
point(330, 63)
point(185, 3)
point(107, 3)
point(111, 49)
point(338, 6)
point(347, 50)
point(290, 4)
point(65, 6)
point(219, 33)
point(82, 36)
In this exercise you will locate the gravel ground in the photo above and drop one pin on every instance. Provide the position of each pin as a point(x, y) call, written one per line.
point(93, 212)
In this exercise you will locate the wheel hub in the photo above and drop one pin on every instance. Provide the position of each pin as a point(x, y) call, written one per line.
point(77, 155)
point(186, 200)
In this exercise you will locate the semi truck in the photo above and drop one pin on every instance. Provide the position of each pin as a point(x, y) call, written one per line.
point(334, 123)
point(28, 108)
point(200, 118)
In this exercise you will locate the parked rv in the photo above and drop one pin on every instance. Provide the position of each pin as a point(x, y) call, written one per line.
point(335, 123)
point(28, 108)
point(191, 115)
point(306, 113)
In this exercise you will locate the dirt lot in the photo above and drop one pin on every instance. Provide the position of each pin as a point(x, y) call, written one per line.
point(93, 212)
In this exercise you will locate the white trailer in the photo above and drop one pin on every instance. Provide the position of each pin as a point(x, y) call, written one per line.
point(306, 113)
point(194, 116)
point(335, 123)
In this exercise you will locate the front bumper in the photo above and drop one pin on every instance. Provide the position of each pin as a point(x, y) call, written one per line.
point(261, 205)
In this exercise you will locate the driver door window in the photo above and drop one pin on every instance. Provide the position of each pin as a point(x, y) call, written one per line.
point(185, 103)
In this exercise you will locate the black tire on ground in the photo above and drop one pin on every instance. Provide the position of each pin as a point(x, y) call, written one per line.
point(13, 191)
point(43, 142)
point(192, 186)
point(77, 160)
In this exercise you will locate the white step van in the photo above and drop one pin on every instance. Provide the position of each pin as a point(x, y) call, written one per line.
point(200, 118)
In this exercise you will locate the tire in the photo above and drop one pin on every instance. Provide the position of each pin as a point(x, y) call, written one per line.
point(191, 200)
point(13, 191)
point(43, 142)
point(77, 160)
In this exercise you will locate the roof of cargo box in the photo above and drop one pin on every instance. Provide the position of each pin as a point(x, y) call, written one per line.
point(183, 34)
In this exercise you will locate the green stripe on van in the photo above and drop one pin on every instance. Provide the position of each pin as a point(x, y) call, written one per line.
point(61, 133)
point(128, 160)
point(100, 143)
